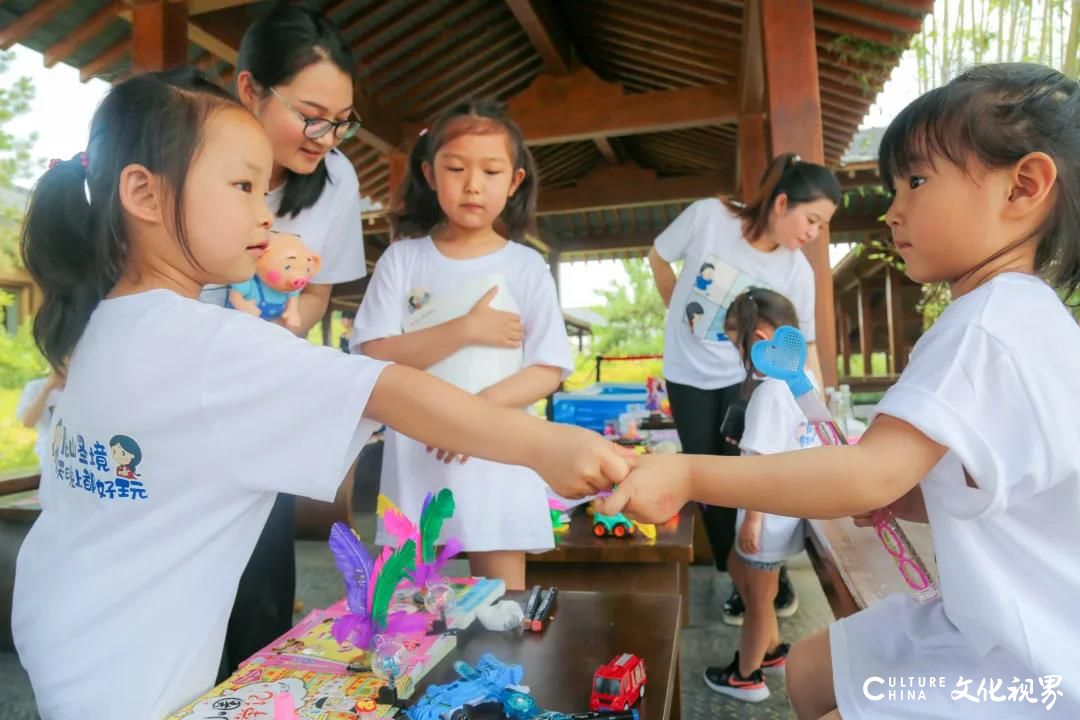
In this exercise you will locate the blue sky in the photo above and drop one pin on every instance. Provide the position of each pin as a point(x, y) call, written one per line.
point(62, 110)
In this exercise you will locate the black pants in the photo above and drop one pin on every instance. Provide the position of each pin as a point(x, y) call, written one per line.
point(263, 608)
point(699, 415)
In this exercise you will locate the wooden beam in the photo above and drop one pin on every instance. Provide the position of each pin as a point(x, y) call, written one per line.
point(30, 21)
point(753, 145)
point(581, 106)
point(105, 59)
point(862, 12)
point(158, 35)
point(844, 337)
point(201, 35)
point(636, 241)
point(607, 151)
point(613, 186)
point(200, 7)
point(843, 26)
point(545, 32)
point(865, 328)
point(895, 314)
point(795, 125)
point(62, 49)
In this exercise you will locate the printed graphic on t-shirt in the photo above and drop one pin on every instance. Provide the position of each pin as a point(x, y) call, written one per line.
point(717, 284)
point(418, 298)
point(809, 436)
point(108, 470)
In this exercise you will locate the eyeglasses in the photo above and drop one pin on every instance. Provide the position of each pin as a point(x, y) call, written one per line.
point(317, 127)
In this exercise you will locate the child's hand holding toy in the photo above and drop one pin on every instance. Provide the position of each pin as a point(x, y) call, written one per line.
point(656, 489)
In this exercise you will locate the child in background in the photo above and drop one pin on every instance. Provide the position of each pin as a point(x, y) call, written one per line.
point(774, 424)
point(35, 410)
point(978, 437)
point(469, 171)
point(125, 582)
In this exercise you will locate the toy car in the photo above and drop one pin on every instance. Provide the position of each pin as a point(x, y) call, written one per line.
point(619, 684)
point(618, 525)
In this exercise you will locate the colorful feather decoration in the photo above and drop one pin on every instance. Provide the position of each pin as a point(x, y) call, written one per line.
point(437, 510)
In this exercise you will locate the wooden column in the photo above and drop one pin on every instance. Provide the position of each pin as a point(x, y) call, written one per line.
point(794, 122)
point(159, 35)
point(399, 169)
point(866, 329)
point(894, 310)
point(753, 151)
point(843, 337)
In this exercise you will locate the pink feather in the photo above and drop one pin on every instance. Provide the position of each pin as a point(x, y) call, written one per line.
point(375, 571)
point(400, 526)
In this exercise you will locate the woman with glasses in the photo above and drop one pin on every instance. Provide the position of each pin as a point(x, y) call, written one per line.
point(295, 74)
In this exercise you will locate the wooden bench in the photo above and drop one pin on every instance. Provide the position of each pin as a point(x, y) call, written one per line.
point(852, 565)
point(587, 630)
point(18, 510)
point(582, 561)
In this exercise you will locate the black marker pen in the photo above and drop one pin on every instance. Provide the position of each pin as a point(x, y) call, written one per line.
point(544, 612)
point(530, 607)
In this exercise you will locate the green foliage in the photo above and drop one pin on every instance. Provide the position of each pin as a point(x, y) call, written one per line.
point(20, 360)
point(634, 314)
point(15, 99)
point(16, 441)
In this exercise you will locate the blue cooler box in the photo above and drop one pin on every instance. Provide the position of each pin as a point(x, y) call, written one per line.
point(599, 403)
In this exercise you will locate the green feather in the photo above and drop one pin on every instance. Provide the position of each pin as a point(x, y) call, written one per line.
point(397, 568)
point(438, 511)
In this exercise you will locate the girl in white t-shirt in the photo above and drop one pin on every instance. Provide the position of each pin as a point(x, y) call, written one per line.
point(131, 571)
point(468, 172)
point(727, 247)
point(774, 424)
point(35, 410)
point(978, 437)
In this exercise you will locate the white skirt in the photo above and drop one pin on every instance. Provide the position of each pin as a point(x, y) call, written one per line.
point(497, 507)
point(902, 659)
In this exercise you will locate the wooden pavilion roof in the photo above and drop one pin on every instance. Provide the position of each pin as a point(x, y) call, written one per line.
point(630, 108)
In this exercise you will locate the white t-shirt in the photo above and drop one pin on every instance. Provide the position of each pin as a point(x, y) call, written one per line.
point(996, 381)
point(29, 396)
point(775, 424)
point(179, 423)
point(499, 507)
point(721, 264)
point(332, 228)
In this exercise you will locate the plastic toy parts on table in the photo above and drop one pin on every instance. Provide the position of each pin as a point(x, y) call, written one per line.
point(492, 690)
point(619, 684)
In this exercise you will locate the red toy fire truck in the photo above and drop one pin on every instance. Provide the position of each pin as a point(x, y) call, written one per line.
point(619, 684)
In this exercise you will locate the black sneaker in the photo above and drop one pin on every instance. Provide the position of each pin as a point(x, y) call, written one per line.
point(728, 681)
point(734, 609)
point(787, 602)
point(775, 663)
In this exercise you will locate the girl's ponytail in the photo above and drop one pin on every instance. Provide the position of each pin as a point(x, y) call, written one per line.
point(60, 252)
point(415, 209)
point(752, 307)
point(801, 182)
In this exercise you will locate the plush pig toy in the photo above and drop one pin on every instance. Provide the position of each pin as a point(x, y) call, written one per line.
point(281, 273)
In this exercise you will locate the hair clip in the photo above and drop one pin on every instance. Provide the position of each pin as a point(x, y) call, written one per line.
point(85, 160)
point(795, 159)
point(423, 132)
point(54, 162)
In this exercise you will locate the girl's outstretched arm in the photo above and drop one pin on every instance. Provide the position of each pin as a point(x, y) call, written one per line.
point(573, 461)
point(524, 387)
point(826, 482)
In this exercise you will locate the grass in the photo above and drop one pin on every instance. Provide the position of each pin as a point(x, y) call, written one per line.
point(16, 442)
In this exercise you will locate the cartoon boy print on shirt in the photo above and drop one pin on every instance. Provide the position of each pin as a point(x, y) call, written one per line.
point(705, 277)
point(717, 284)
point(418, 298)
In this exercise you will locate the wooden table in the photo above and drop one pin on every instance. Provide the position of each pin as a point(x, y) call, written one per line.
point(853, 567)
point(587, 630)
point(582, 561)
